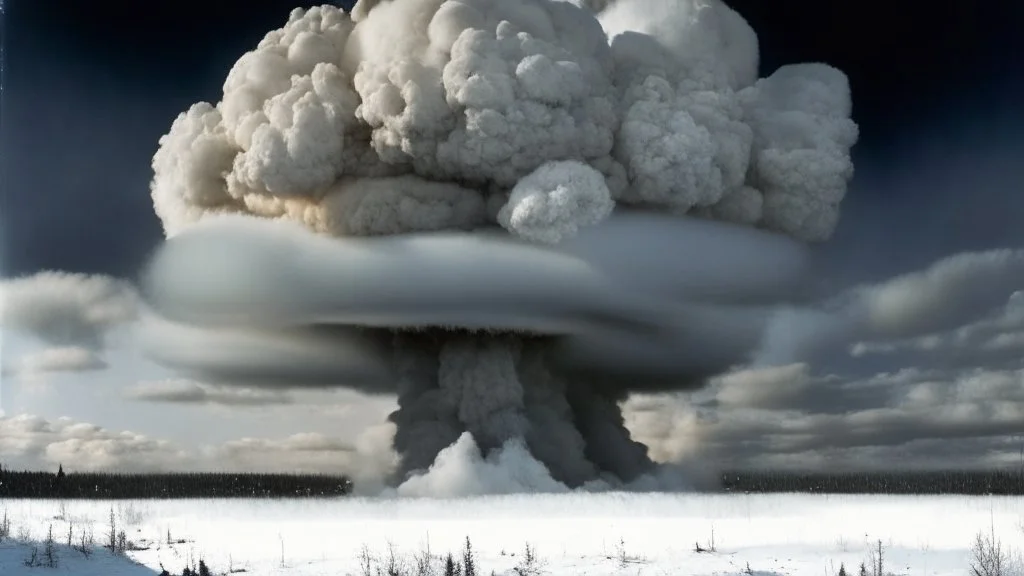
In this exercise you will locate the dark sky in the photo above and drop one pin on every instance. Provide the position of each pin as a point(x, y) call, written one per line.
point(89, 87)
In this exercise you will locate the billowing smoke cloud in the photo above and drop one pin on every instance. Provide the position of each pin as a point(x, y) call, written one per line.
point(511, 215)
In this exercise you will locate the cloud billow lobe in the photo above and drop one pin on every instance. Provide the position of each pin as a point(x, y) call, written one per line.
point(510, 215)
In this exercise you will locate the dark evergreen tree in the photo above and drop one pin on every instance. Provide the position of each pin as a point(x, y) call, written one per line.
point(451, 567)
point(468, 563)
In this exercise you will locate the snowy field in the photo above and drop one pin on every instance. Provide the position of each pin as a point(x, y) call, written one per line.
point(590, 535)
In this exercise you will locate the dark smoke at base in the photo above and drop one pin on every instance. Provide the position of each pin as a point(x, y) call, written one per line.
point(499, 389)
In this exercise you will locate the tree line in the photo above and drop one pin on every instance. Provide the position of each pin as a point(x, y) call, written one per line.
point(978, 483)
point(93, 485)
point(107, 486)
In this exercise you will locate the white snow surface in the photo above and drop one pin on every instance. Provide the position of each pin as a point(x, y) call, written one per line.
point(572, 534)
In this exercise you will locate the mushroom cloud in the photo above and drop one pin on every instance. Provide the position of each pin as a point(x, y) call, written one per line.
point(509, 215)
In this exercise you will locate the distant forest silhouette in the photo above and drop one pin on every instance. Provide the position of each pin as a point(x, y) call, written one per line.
point(92, 485)
point(109, 486)
point(973, 483)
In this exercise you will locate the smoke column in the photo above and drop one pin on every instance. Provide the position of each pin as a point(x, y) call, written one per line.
point(510, 215)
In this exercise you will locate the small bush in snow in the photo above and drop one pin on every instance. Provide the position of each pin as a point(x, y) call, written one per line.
point(33, 559)
point(625, 558)
point(529, 564)
point(424, 562)
point(50, 549)
point(85, 543)
point(394, 565)
point(365, 561)
point(877, 557)
point(989, 557)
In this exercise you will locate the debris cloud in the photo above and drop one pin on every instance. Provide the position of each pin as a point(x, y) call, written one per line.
point(511, 215)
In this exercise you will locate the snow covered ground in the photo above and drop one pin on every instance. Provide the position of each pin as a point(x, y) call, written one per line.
point(577, 534)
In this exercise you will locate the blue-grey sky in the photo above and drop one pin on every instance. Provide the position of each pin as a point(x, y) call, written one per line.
point(90, 87)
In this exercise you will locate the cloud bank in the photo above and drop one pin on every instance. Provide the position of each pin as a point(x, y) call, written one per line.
point(68, 316)
point(189, 392)
point(64, 309)
point(936, 383)
point(32, 442)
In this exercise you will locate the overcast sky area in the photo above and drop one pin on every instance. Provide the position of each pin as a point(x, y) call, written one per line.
point(938, 193)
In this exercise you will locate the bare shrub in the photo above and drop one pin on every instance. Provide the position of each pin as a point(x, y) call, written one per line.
point(33, 560)
point(877, 557)
point(85, 543)
point(49, 549)
point(365, 561)
point(988, 556)
point(624, 557)
point(709, 546)
point(424, 562)
point(393, 565)
point(5, 527)
point(529, 564)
